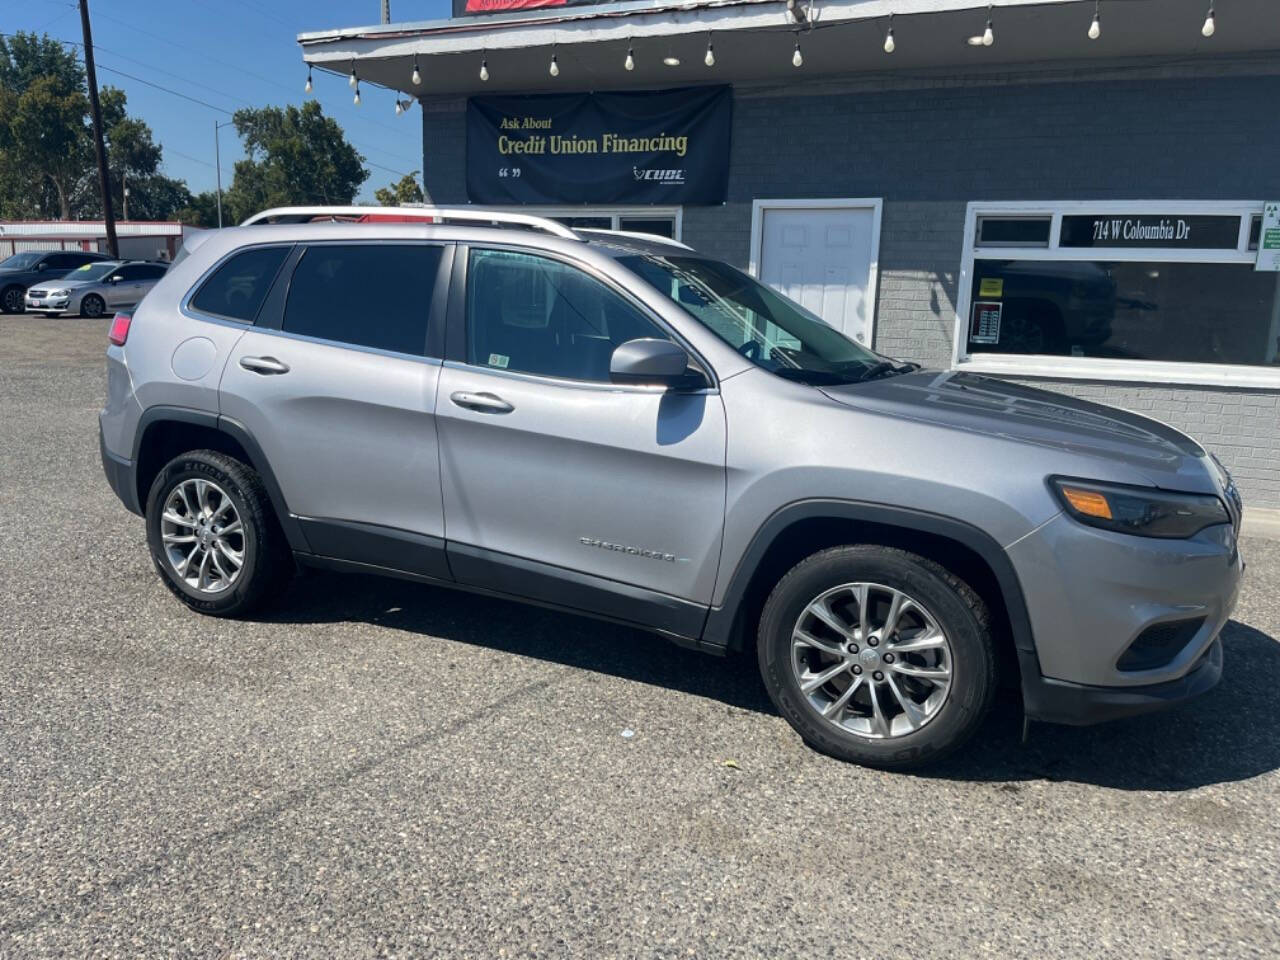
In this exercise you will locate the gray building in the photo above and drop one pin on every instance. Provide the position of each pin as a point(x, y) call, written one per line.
point(1082, 213)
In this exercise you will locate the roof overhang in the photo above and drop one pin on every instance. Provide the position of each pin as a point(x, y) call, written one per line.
point(754, 41)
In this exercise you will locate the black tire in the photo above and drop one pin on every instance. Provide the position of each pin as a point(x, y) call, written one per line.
point(959, 612)
point(267, 560)
point(92, 306)
point(12, 300)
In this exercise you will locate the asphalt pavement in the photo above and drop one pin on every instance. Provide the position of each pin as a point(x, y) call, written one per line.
point(376, 768)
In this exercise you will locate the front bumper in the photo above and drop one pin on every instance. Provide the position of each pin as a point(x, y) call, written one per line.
point(1078, 704)
point(121, 475)
point(49, 305)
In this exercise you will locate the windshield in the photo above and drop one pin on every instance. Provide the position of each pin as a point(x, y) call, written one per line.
point(91, 271)
point(20, 261)
point(765, 327)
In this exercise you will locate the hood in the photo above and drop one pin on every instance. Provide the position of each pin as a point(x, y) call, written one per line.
point(1162, 455)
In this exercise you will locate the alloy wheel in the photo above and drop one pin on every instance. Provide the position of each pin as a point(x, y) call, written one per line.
point(92, 307)
point(871, 660)
point(13, 300)
point(203, 536)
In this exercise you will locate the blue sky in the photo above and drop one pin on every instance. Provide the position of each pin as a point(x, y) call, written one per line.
point(231, 54)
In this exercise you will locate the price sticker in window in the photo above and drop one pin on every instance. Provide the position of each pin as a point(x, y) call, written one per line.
point(499, 360)
point(991, 287)
point(985, 327)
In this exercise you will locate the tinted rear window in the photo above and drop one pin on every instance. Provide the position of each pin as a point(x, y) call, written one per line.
point(369, 295)
point(238, 287)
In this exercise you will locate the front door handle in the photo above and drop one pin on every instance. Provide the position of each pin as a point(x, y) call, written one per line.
point(264, 365)
point(481, 402)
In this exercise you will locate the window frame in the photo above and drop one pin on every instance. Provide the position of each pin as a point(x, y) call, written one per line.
point(1057, 367)
point(455, 354)
point(270, 317)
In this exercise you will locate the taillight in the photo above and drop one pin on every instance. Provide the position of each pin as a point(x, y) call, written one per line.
point(119, 332)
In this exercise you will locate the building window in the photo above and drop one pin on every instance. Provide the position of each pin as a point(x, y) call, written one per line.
point(1119, 291)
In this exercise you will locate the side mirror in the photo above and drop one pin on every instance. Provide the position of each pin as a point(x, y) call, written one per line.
point(651, 361)
point(42, 266)
point(115, 278)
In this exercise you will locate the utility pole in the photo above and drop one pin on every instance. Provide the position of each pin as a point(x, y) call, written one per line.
point(104, 175)
point(217, 166)
point(386, 11)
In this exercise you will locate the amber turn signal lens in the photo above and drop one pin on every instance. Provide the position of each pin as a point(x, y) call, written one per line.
point(1089, 502)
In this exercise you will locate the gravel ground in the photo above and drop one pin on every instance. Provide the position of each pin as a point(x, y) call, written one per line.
point(382, 769)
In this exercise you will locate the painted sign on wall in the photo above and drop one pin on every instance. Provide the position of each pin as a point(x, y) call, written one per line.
point(663, 147)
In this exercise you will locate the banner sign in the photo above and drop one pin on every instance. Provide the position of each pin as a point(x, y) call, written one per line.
point(1150, 230)
point(651, 147)
point(469, 8)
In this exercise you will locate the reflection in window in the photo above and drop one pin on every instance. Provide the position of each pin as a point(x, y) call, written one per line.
point(1178, 312)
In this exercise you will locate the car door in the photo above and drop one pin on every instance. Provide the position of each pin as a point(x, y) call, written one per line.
point(121, 288)
point(336, 386)
point(558, 484)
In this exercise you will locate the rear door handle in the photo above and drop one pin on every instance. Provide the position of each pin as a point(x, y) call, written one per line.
point(481, 402)
point(264, 365)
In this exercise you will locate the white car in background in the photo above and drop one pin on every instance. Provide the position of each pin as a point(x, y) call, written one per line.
point(95, 288)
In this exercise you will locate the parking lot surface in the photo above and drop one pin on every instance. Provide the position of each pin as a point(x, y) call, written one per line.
point(376, 768)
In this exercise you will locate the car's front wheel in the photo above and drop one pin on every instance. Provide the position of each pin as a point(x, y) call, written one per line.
point(213, 535)
point(877, 655)
point(92, 306)
point(11, 300)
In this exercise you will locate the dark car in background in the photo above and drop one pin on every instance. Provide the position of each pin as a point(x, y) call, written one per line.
point(34, 266)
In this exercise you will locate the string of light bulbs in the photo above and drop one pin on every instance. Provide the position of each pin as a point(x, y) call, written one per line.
point(986, 38)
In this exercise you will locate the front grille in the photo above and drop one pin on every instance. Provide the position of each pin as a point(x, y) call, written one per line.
point(37, 293)
point(1157, 645)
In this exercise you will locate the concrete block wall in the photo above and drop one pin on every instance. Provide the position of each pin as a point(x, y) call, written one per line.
point(929, 147)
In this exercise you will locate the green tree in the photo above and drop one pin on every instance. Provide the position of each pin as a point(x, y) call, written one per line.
point(294, 155)
point(44, 127)
point(402, 192)
point(201, 210)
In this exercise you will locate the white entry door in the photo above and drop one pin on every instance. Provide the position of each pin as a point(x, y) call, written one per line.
point(823, 255)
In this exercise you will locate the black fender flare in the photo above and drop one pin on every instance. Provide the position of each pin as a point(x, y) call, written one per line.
point(720, 620)
point(241, 435)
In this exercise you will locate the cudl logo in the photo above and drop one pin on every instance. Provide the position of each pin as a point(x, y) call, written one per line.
point(658, 176)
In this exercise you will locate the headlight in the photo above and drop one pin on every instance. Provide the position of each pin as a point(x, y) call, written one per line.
point(59, 293)
point(1142, 511)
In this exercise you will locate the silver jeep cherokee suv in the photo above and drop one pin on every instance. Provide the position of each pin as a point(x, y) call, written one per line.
point(617, 426)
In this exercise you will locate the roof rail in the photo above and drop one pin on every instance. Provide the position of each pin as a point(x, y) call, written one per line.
point(307, 214)
point(637, 235)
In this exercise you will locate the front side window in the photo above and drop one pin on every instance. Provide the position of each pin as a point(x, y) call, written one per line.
point(536, 315)
point(368, 295)
point(761, 324)
point(1173, 311)
point(238, 287)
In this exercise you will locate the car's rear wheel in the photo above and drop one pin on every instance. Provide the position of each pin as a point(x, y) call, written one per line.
point(92, 306)
point(877, 655)
point(11, 300)
point(214, 538)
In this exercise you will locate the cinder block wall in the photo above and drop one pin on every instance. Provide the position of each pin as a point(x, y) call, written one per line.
point(929, 147)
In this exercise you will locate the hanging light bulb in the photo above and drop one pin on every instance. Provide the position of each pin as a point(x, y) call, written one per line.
point(353, 80)
point(630, 62)
point(889, 45)
point(484, 70)
point(989, 34)
point(797, 59)
point(710, 58)
point(399, 108)
point(417, 77)
point(1208, 28)
point(356, 101)
point(307, 88)
point(554, 69)
point(1095, 28)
